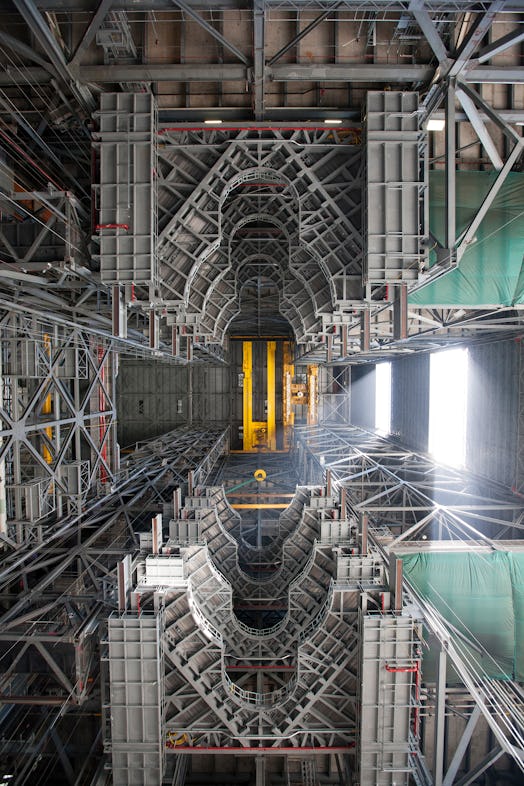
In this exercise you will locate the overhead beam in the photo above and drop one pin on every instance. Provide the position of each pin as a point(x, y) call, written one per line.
point(471, 42)
point(469, 234)
point(212, 72)
point(461, 748)
point(426, 24)
point(500, 45)
point(480, 129)
point(303, 33)
point(220, 72)
point(187, 9)
point(36, 23)
point(91, 31)
point(341, 72)
point(258, 59)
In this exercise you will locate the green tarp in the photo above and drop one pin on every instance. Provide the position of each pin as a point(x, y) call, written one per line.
point(491, 271)
point(482, 596)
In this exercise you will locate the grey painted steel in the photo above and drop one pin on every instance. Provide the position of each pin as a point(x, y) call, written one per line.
point(303, 33)
point(204, 636)
point(259, 75)
point(440, 718)
point(186, 7)
point(103, 8)
point(394, 189)
point(389, 664)
point(426, 24)
point(49, 44)
point(461, 748)
point(480, 129)
point(136, 696)
point(127, 216)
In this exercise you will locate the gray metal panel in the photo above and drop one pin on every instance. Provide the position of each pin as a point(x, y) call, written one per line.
point(492, 433)
point(363, 396)
point(136, 669)
point(394, 188)
point(127, 217)
point(410, 401)
point(388, 667)
point(153, 397)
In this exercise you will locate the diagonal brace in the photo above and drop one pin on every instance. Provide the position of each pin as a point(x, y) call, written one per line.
point(211, 30)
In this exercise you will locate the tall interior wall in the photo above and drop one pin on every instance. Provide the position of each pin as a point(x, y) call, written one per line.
point(410, 401)
point(155, 397)
point(494, 434)
point(493, 396)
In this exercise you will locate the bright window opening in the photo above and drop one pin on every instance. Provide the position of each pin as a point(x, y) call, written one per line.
point(383, 398)
point(447, 406)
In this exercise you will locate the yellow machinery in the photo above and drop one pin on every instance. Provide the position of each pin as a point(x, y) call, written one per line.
point(47, 409)
point(261, 436)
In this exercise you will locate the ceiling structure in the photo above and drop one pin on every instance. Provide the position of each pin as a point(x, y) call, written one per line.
point(176, 177)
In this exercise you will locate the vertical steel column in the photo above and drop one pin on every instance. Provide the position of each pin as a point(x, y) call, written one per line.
point(450, 229)
point(258, 59)
point(440, 719)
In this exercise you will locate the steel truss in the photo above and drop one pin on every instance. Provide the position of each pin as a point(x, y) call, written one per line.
point(236, 208)
point(399, 496)
point(57, 592)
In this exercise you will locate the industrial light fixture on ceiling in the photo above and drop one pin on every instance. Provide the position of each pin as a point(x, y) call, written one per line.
point(434, 124)
point(333, 122)
point(212, 122)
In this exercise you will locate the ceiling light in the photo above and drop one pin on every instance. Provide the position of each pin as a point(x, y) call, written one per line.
point(333, 122)
point(434, 124)
point(212, 122)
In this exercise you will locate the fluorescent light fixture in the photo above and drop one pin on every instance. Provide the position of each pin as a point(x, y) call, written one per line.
point(212, 122)
point(333, 122)
point(434, 124)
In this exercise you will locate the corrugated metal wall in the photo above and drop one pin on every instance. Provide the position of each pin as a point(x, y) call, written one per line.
point(363, 396)
point(493, 400)
point(410, 401)
point(149, 392)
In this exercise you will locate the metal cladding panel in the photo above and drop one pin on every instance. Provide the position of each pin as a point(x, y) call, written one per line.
point(154, 397)
point(363, 396)
point(410, 401)
point(136, 669)
point(127, 224)
point(389, 666)
point(395, 185)
point(493, 405)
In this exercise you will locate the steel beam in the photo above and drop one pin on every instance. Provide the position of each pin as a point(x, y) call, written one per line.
point(187, 9)
point(47, 41)
point(450, 229)
point(426, 24)
point(94, 25)
point(500, 45)
point(469, 234)
point(259, 59)
point(337, 72)
point(495, 753)
point(461, 748)
point(481, 25)
point(480, 128)
point(303, 33)
point(213, 72)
